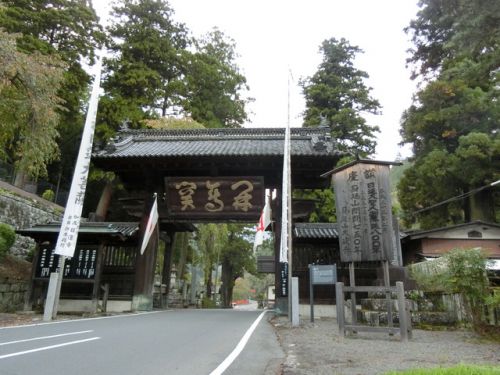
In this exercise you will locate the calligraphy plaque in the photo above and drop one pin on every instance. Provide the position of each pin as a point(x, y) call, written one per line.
point(239, 198)
point(364, 217)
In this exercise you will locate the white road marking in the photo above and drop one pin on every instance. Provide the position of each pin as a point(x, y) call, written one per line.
point(83, 320)
point(238, 349)
point(45, 337)
point(47, 347)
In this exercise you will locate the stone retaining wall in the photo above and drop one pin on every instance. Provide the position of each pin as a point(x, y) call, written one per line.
point(23, 210)
point(12, 295)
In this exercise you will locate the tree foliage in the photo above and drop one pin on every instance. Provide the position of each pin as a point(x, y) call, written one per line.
point(211, 239)
point(215, 84)
point(29, 107)
point(66, 30)
point(145, 73)
point(453, 120)
point(7, 238)
point(462, 271)
point(338, 96)
point(157, 69)
point(236, 258)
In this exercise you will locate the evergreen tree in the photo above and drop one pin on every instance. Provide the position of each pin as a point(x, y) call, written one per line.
point(337, 95)
point(456, 113)
point(214, 83)
point(67, 30)
point(144, 76)
point(29, 108)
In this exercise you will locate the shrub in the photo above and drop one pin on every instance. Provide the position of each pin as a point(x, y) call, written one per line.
point(49, 195)
point(459, 271)
point(207, 303)
point(7, 238)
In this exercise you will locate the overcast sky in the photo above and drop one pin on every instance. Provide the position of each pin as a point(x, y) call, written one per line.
point(274, 37)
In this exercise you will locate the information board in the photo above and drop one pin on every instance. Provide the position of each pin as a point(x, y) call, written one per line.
point(81, 266)
point(363, 200)
point(323, 274)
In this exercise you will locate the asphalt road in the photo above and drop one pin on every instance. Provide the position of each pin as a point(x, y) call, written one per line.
point(166, 342)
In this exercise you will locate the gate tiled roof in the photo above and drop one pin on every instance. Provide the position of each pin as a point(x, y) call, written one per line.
point(316, 230)
point(218, 142)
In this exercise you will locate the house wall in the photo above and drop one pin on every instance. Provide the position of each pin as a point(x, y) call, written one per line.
point(439, 246)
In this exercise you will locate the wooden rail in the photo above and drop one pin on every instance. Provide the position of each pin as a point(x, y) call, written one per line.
point(404, 329)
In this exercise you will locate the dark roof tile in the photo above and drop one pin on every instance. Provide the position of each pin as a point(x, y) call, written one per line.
point(218, 142)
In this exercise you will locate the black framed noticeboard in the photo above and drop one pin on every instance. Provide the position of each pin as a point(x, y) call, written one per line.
point(81, 266)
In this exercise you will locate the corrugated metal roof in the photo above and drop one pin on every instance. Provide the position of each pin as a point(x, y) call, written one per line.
point(127, 229)
point(316, 230)
point(218, 142)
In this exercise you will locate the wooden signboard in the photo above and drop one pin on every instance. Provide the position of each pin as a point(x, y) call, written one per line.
point(240, 198)
point(363, 200)
point(81, 266)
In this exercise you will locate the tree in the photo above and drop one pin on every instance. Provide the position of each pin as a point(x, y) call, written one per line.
point(214, 83)
point(144, 77)
point(337, 95)
point(456, 113)
point(236, 258)
point(67, 30)
point(29, 107)
point(211, 238)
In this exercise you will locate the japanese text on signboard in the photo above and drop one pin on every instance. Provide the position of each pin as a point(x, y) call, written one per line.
point(205, 197)
point(364, 215)
point(81, 266)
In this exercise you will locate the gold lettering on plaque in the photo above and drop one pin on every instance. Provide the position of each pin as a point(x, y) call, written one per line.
point(242, 200)
point(214, 204)
point(186, 191)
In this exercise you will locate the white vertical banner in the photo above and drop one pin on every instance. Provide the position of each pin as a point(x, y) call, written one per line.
point(66, 241)
point(264, 221)
point(150, 225)
point(284, 198)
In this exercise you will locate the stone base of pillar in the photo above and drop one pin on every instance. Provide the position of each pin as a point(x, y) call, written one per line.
point(142, 302)
point(281, 306)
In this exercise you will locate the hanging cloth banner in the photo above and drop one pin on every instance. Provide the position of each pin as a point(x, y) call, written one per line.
point(264, 221)
point(150, 225)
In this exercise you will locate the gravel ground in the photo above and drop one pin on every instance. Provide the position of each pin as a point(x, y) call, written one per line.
point(318, 349)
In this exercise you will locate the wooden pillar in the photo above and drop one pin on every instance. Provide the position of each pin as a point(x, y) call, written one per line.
point(30, 295)
point(388, 296)
point(168, 238)
point(103, 205)
point(98, 276)
point(142, 299)
point(352, 282)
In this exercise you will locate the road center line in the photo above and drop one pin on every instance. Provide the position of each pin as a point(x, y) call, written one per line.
point(48, 347)
point(239, 348)
point(45, 337)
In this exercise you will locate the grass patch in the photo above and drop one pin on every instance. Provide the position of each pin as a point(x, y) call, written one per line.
point(456, 370)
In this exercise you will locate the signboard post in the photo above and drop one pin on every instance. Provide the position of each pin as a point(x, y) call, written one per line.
point(320, 275)
point(366, 233)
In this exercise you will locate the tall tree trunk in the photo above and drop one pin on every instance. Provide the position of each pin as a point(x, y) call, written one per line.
point(167, 260)
point(182, 238)
point(20, 179)
point(227, 283)
point(104, 202)
point(208, 282)
point(480, 206)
